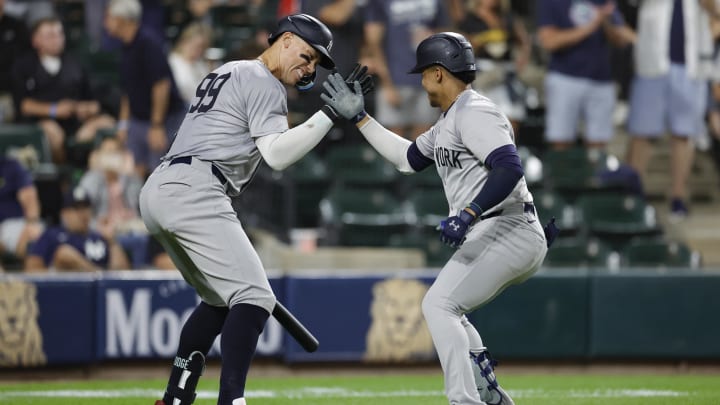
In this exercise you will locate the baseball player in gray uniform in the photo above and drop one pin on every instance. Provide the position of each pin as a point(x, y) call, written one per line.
point(492, 220)
point(238, 117)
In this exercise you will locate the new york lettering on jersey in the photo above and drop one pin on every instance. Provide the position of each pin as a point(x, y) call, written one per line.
point(448, 157)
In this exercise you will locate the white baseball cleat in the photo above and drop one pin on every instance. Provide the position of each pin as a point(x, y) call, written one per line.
point(490, 391)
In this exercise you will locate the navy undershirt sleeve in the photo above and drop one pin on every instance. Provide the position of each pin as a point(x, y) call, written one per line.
point(417, 160)
point(505, 171)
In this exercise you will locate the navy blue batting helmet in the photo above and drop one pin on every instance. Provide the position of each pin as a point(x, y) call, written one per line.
point(447, 49)
point(312, 31)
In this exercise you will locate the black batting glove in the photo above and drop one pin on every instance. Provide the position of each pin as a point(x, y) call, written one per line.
point(359, 73)
point(453, 229)
point(551, 232)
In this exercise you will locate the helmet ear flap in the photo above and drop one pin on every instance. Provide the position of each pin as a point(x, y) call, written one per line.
point(306, 82)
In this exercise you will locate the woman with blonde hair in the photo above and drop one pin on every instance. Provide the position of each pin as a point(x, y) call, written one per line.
point(187, 59)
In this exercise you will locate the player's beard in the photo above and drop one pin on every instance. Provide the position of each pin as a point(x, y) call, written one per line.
point(433, 101)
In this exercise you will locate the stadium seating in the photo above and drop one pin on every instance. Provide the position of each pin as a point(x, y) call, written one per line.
point(580, 252)
point(617, 217)
point(361, 217)
point(427, 209)
point(550, 204)
point(572, 169)
point(658, 252)
point(428, 241)
point(311, 181)
point(15, 138)
point(360, 166)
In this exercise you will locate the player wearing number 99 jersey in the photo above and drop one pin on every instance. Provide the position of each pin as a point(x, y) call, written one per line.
point(238, 117)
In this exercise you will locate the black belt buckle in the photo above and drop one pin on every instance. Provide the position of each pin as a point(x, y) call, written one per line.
point(215, 171)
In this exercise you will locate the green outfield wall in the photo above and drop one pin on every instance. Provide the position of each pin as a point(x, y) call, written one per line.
point(629, 315)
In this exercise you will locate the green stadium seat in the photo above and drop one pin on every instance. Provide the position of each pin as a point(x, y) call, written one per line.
point(580, 170)
point(551, 204)
point(660, 253)
point(581, 253)
point(361, 217)
point(360, 165)
point(311, 181)
point(14, 137)
point(617, 217)
point(427, 179)
point(427, 209)
point(436, 252)
point(572, 169)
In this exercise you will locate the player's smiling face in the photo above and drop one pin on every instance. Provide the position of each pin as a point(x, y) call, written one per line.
point(302, 60)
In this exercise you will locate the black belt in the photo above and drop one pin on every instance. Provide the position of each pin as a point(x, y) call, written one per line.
point(215, 171)
point(527, 207)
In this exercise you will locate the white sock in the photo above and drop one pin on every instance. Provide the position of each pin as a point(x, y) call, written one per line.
point(239, 401)
point(476, 343)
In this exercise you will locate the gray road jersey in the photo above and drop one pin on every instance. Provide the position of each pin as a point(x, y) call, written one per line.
point(459, 143)
point(238, 101)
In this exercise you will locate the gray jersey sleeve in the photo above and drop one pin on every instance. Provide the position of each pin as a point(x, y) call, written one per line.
point(426, 143)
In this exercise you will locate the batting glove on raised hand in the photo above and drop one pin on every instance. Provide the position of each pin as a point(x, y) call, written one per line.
point(342, 100)
point(453, 229)
point(359, 73)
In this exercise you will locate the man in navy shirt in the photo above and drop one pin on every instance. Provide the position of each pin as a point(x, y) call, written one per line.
point(579, 86)
point(393, 29)
point(73, 246)
point(151, 108)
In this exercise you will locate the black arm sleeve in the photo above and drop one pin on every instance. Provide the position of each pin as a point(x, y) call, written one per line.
point(505, 172)
point(417, 160)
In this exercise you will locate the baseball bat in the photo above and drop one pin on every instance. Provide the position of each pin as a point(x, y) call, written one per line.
point(296, 329)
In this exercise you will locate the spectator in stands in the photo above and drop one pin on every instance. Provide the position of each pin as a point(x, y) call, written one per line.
point(502, 48)
point(30, 11)
point(189, 12)
point(113, 188)
point(19, 208)
point(714, 122)
point(151, 108)
point(187, 60)
point(158, 258)
point(673, 61)
point(578, 85)
point(153, 20)
point(73, 246)
point(14, 41)
point(393, 29)
point(53, 89)
point(345, 18)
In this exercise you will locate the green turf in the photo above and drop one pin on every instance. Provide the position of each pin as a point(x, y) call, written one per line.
point(555, 389)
